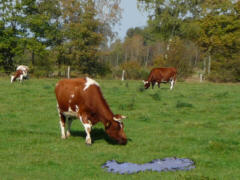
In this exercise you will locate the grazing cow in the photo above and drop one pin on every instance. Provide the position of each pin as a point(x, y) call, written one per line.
point(161, 75)
point(82, 98)
point(19, 74)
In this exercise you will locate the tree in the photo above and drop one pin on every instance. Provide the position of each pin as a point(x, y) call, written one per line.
point(11, 43)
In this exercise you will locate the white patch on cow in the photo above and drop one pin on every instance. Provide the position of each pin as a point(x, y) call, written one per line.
point(89, 82)
point(80, 118)
point(58, 110)
point(77, 108)
point(87, 128)
point(70, 109)
point(117, 119)
point(69, 101)
point(72, 96)
point(172, 83)
point(70, 113)
point(22, 67)
point(145, 82)
point(62, 129)
point(21, 78)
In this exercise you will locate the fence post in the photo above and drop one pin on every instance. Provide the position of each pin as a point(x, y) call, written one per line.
point(201, 77)
point(68, 72)
point(123, 72)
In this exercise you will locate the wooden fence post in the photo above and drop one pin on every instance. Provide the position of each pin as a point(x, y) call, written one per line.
point(68, 72)
point(123, 73)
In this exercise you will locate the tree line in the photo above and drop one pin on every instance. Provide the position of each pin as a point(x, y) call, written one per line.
point(49, 35)
point(195, 36)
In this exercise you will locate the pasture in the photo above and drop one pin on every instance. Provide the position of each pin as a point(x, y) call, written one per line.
point(196, 121)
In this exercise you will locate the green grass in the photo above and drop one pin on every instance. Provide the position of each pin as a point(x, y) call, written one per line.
point(196, 121)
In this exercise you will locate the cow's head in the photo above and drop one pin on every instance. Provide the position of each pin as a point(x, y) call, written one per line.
point(146, 84)
point(115, 129)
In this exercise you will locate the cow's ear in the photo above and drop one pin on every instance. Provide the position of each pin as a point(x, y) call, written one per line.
point(108, 124)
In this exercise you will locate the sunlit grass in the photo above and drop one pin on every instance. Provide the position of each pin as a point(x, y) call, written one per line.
point(196, 121)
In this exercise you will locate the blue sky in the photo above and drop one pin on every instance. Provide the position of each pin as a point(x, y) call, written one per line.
point(131, 17)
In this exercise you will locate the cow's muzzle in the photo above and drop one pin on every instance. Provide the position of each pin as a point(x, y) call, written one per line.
point(122, 141)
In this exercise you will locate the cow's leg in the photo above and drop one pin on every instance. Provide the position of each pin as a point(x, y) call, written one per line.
point(87, 126)
point(62, 123)
point(158, 84)
point(69, 126)
point(153, 83)
point(172, 83)
point(12, 77)
point(21, 78)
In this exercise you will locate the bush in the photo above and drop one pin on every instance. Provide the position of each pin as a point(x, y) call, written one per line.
point(133, 70)
point(225, 70)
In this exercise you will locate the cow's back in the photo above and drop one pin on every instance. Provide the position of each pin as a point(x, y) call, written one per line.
point(67, 89)
point(76, 92)
point(163, 74)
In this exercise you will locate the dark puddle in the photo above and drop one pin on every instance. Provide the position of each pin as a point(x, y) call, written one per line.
point(167, 164)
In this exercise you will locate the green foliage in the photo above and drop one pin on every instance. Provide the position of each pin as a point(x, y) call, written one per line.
point(211, 25)
point(61, 32)
point(134, 70)
point(176, 57)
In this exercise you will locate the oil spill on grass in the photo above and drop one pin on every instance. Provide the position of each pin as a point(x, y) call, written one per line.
point(166, 164)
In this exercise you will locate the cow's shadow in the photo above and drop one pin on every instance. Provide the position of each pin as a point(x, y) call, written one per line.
point(96, 134)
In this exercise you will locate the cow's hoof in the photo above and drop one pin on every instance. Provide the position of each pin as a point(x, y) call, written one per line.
point(64, 137)
point(88, 142)
point(68, 134)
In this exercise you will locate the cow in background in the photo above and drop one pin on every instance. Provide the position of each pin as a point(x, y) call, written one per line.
point(82, 98)
point(161, 75)
point(21, 73)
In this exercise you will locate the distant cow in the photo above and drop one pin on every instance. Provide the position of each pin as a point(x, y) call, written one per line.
point(161, 75)
point(82, 98)
point(21, 73)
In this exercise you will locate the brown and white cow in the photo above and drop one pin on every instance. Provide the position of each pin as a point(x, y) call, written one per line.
point(82, 98)
point(21, 73)
point(161, 75)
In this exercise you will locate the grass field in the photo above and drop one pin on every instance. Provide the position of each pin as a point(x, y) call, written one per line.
point(196, 121)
